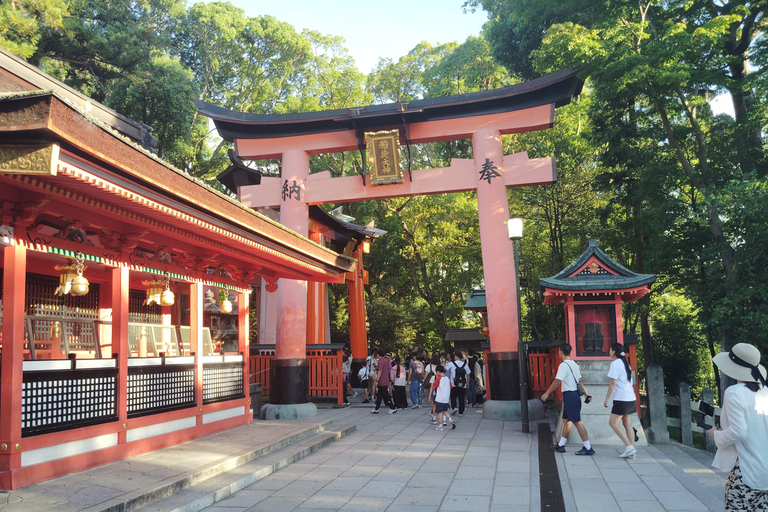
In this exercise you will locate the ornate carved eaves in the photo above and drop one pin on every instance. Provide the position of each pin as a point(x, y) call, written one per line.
point(29, 159)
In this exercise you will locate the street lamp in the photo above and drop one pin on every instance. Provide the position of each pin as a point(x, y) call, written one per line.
point(515, 227)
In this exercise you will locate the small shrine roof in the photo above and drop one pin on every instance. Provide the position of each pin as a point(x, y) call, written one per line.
point(476, 301)
point(604, 273)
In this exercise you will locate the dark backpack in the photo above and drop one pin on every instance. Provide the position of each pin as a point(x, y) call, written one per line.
point(460, 377)
point(430, 378)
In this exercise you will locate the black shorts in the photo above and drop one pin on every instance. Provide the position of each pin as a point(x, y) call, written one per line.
point(623, 408)
point(440, 407)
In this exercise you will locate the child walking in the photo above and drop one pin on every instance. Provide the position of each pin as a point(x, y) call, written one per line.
point(442, 399)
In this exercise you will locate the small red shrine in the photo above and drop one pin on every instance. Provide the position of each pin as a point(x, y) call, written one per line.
point(592, 290)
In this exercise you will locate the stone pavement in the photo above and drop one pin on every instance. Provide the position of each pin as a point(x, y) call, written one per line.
point(400, 463)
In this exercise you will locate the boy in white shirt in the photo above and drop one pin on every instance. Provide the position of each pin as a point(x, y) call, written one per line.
point(442, 398)
point(569, 377)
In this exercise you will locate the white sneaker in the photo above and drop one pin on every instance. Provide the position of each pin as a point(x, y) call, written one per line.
point(629, 453)
point(392, 411)
point(375, 411)
point(440, 427)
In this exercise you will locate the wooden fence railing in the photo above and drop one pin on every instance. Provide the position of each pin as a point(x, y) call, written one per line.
point(685, 413)
point(542, 369)
point(325, 378)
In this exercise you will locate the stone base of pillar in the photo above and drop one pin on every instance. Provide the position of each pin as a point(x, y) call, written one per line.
point(289, 382)
point(510, 410)
point(288, 411)
point(504, 376)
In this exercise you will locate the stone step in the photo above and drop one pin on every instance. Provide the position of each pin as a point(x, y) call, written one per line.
point(206, 484)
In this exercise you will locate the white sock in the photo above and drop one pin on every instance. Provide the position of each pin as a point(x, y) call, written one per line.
point(587, 445)
point(562, 441)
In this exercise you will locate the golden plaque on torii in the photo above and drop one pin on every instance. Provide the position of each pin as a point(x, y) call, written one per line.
point(384, 157)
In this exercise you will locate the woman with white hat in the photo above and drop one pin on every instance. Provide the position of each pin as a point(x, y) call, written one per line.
point(742, 441)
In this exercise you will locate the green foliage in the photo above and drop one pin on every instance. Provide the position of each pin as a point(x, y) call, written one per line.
point(159, 93)
point(680, 344)
point(22, 23)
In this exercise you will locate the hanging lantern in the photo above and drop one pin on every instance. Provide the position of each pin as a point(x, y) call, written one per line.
point(167, 298)
point(71, 278)
point(159, 292)
point(154, 291)
point(226, 306)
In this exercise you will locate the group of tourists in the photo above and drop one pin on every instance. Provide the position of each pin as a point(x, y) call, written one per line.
point(450, 383)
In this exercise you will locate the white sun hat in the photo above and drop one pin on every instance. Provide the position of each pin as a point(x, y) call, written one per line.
point(742, 362)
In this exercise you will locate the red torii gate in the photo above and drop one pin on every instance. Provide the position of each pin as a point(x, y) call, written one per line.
point(483, 117)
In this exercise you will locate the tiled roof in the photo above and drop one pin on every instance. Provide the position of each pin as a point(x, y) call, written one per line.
point(608, 275)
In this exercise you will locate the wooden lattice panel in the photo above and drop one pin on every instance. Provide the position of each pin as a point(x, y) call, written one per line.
point(40, 299)
point(57, 400)
point(222, 381)
point(139, 312)
point(153, 389)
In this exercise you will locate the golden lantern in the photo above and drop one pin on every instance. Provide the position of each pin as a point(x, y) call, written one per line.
point(71, 278)
point(226, 306)
point(167, 298)
point(158, 292)
point(154, 291)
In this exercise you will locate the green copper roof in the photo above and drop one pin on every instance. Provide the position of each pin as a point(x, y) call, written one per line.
point(603, 278)
point(476, 301)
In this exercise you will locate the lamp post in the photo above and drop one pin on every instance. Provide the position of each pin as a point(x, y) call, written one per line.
point(515, 227)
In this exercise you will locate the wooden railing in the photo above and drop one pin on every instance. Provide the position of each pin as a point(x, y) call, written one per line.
point(542, 369)
point(324, 370)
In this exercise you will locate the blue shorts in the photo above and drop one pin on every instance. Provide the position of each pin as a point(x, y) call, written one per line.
point(440, 407)
point(571, 406)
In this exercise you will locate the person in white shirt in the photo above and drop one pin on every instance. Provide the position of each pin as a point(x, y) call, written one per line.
point(442, 397)
point(459, 372)
point(742, 441)
point(569, 378)
point(620, 388)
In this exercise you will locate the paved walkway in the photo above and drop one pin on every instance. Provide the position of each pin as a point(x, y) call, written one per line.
point(400, 463)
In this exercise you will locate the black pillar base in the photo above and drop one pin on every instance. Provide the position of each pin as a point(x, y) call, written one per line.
point(504, 375)
point(289, 381)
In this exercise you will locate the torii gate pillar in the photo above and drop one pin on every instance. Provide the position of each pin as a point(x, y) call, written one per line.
point(498, 267)
point(289, 374)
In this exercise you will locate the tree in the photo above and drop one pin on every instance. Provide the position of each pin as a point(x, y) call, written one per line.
point(22, 23)
point(655, 66)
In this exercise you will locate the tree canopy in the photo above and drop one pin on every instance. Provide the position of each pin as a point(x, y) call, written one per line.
point(644, 165)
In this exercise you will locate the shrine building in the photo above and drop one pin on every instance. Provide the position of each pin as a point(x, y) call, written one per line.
point(127, 287)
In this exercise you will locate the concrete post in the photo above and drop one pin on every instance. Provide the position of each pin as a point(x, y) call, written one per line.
point(685, 414)
point(657, 404)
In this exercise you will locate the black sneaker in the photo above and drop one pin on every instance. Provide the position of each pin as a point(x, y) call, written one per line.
point(453, 425)
point(584, 451)
point(636, 438)
point(558, 448)
point(366, 401)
